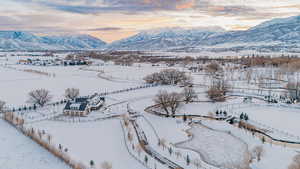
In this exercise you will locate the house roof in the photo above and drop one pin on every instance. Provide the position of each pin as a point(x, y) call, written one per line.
point(76, 106)
point(81, 103)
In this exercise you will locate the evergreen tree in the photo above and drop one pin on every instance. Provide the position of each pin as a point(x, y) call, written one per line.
point(184, 118)
point(92, 163)
point(246, 117)
point(188, 160)
point(170, 150)
point(231, 121)
point(146, 159)
point(217, 112)
point(242, 116)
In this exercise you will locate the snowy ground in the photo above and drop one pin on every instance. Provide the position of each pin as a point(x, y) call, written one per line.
point(97, 141)
point(102, 140)
point(65, 77)
point(217, 148)
point(19, 152)
point(280, 118)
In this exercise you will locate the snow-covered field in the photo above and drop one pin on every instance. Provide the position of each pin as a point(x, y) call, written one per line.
point(280, 118)
point(92, 138)
point(217, 148)
point(20, 152)
point(98, 141)
point(21, 83)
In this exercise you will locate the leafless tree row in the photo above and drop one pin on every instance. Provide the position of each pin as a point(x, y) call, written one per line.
point(43, 96)
point(171, 101)
point(217, 90)
point(39, 96)
point(167, 77)
point(2, 106)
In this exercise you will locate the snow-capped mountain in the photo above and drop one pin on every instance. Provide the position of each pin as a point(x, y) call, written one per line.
point(74, 41)
point(277, 30)
point(164, 38)
point(16, 40)
point(277, 34)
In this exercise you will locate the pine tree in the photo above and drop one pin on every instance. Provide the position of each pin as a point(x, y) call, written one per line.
point(170, 150)
point(184, 118)
point(146, 159)
point(242, 116)
point(188, 160)
point(92, 163)
point(217, 112)
point(246, 117)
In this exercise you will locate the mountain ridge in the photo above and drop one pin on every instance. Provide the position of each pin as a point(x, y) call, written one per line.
point(18, 40)
point(280, 34)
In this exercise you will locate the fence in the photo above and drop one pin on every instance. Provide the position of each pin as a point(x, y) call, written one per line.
point(37, 136)
point(127, 148)
point(63, 101)
point(231, 107)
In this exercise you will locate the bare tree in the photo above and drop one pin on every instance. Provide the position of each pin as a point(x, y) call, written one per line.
point(39, 96)
point(293, 90)
point(162, 142)
point(168, 101)
point(213, 68)
point(106, 165)
point(217, 90)
point(71, 93)
point(168, 76)
point(197, 162)
point(129, 136)
point(189, 94)
point(258, 152)
point(2, 105)
point(178, 154)
point(49, 138)
point(174, 101)
point(162, 98)
point(139, 149)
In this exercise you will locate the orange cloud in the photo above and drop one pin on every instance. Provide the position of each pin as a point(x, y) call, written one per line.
point(110, 36)
point(289, 6)
point(186, 5)
point(239, 27)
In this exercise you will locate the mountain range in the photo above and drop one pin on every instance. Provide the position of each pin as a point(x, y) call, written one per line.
point(16, 40)
point(274, 35)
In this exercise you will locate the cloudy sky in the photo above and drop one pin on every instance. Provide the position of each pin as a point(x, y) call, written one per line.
point(115, 19)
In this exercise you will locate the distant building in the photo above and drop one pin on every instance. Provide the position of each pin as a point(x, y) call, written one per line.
point(24, 62)
point(83, 105)
point(54, 62)
point(247, 99)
